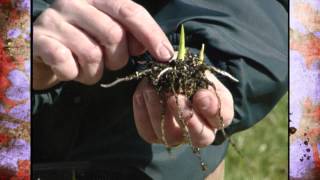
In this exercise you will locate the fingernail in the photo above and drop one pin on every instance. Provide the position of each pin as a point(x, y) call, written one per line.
point(165, 52)
point(204, 103)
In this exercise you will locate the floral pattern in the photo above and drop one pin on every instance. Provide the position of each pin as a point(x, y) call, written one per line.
point(14, 89)
point(305, 89)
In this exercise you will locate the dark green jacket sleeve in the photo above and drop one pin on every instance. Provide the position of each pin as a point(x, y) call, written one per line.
point(247, 38)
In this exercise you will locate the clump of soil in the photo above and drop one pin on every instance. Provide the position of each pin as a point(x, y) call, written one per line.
point(183, 75)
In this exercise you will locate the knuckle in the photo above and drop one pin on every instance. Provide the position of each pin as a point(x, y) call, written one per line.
point(130, 9)
point(62, 5)
point(47, 17)
point(59, 54)
point(93, 55)
point(115, 35)
point(68, 9)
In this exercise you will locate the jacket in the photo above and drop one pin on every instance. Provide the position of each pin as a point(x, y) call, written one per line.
point(248, 39)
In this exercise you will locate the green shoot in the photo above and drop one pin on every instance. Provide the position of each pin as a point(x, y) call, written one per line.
point(182, 48)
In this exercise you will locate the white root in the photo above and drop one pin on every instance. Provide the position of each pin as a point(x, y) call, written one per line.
point(115, 82)
point(138, 75)
point(163, 71)
point(224, 73)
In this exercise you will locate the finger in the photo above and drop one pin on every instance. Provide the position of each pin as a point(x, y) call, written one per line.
point(200, 133)
point(117, 55)
point(135, 47)
point(140, 23)
point(172, 130)
point(141, 119)
point(225, 96)
point(207, 105)
point(88, 53)
point(85, 49)
point(56, 56)
point(154, 108)
point(102, 27)
point(180, 106)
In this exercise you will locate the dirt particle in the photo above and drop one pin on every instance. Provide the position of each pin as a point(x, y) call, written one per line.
point(292, 130)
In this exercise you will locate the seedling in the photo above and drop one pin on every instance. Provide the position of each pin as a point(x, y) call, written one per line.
point(183, 75)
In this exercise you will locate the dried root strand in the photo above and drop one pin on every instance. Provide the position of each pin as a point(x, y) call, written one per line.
point(137, 75)
point(163, 134)
point(162, 121)
point(222, 125)
point(186, 134)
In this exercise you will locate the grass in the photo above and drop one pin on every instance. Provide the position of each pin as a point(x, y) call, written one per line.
point(265, 147)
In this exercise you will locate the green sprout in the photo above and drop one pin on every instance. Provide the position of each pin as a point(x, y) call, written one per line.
point(182, 48)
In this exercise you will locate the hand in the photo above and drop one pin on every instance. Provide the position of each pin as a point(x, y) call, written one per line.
point(201, 115)
point(74, 40)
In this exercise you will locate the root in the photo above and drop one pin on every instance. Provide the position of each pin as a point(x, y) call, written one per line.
point(222, 126)
point(223, 73)
point(186, 134)
point(163, 135)
point(115, 82)
point(137, 75)
point(163, 71)
point(222, 121)
point(161, 74)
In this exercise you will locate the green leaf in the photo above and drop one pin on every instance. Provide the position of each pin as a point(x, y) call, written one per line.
point(182, 48)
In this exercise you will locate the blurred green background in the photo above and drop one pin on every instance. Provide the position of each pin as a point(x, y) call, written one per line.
point(264, 147)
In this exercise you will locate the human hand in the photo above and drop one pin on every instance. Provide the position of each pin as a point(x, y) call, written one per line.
point(74, 40)
point(201, 114)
